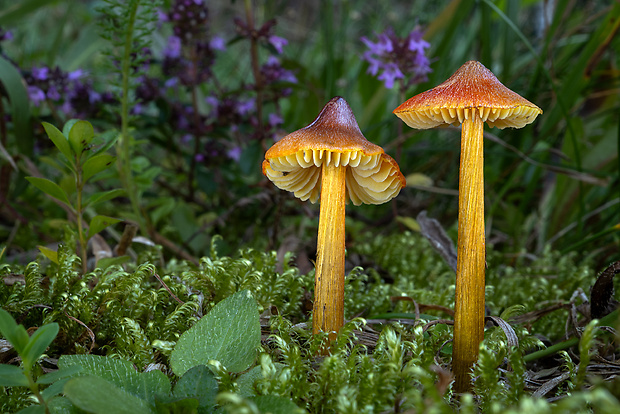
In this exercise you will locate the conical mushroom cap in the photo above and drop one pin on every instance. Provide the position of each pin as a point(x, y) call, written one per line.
point(295, 162)
point(471, 88)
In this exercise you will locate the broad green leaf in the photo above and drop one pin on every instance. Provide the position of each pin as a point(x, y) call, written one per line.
point(199, 383)
point(67, 127)
point(15, 88)
point(100, 197)
point(229, 333)
point(14, 333)
point(50, 188)
point(39, 341)
point(59, 374)
point(120, 373)
point(106, 262)
point(80, 135)
point(33, 409)
point(49, 253)
point(96, 164)
point(105, 141)
point(60, 405)
point(59, 140)
point(12, 376)
point(96, 395)
point(99, 223)
point(55, 388)
point(275, 405)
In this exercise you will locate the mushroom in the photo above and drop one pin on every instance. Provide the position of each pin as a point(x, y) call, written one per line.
point(471, 96)
point(331, 158)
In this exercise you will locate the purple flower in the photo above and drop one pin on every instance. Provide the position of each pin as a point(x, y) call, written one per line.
point(190, 19)
point(76, 74)
point(173, 48)
point(275, 119)
point(234, 154)
point(391, 57)
point(391, 72)
point(5, 35)
point(36, 95)
point(212, 101)
point(53, 94)
point(273, 72)
point(278, 43)
point(246, 106)
point(217, 43)
point(40, 74)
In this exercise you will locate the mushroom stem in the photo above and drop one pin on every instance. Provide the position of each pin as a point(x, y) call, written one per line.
point(328, 309)
point(471, 260)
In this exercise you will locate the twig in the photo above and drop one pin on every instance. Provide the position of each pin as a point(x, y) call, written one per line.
point(168, 289)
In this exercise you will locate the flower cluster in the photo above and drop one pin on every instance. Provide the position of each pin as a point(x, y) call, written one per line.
point(71, 92)
point(393, 57)
point(263, 34)
point(189, 53)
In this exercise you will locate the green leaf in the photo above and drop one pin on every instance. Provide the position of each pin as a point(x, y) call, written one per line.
point(55, 388)
point(67, 127)
point(199, 383)
point(50, 188)
point(96, 164)
point(80, 135)
point(60, 405)
point(59, 374)
point(106, 140)
point(14, 333)
point(170, 405)
point(120, 373)
point(96, 395)
point(39, 341)
point(15, 88)
point(49, 253)
point(275, 405)
point(33, 409)
point(12, 376)
point(229, 333)
point(60, 141)
point(106, 262)
point(103, 196)
point(99, 223)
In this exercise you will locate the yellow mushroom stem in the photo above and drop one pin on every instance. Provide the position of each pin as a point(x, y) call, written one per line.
point(328, 309)
point(471, 260)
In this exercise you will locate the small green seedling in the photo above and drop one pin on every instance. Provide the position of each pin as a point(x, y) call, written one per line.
point(76, 142)
point(29, 349)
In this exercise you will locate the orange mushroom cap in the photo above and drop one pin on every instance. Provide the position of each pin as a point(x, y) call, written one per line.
point(471, 88)
point(334, 138)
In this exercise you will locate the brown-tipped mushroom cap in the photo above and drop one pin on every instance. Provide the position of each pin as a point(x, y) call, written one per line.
point(294, 163)
point(471, 88)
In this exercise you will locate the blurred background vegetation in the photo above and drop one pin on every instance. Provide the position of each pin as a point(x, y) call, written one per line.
point(197, 131)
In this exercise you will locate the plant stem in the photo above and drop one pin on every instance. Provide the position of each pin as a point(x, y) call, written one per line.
point(124, 142)
point(471, 261)
point(258, 79)
point(79, 186)
point(328, 309)
point(34, 388)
